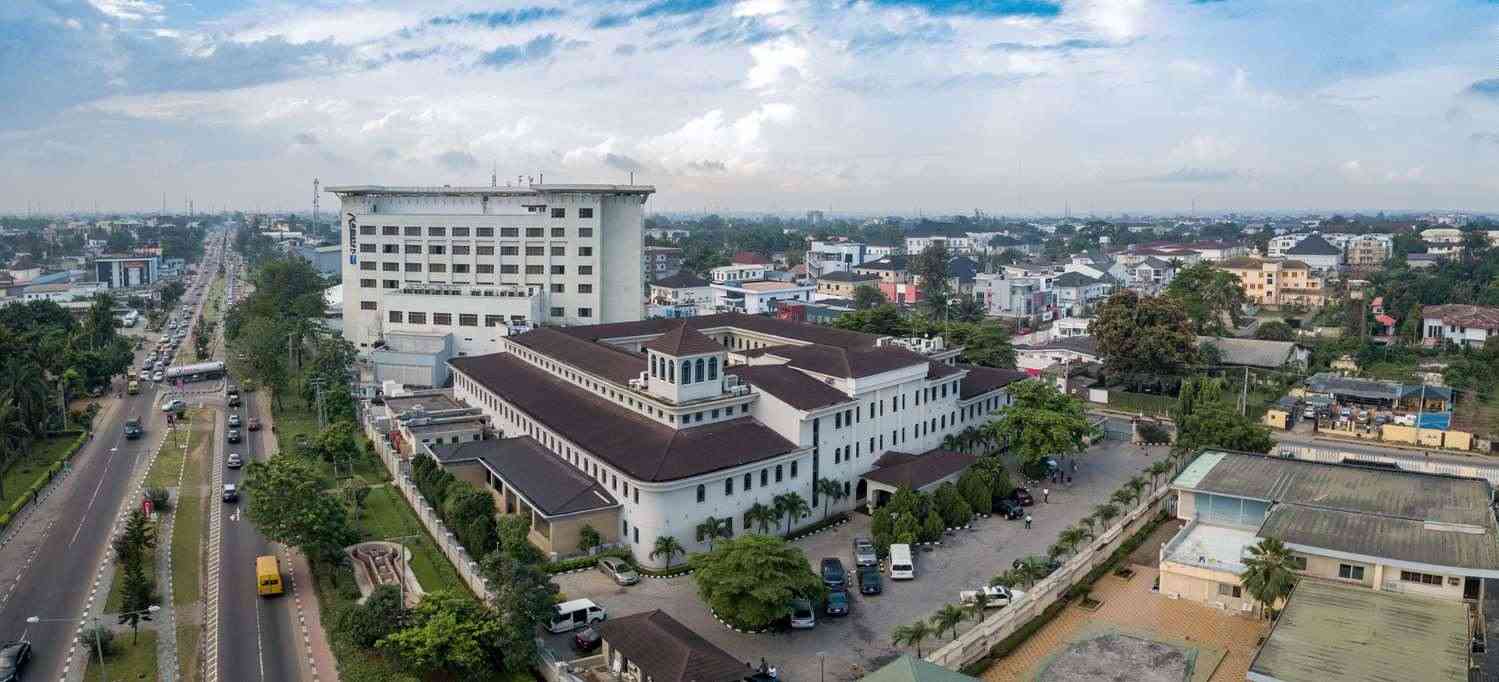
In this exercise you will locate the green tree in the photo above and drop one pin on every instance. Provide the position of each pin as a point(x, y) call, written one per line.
point(911, 635)
point(831, 491)
point(1205, 419)
point(588, 537)
point(933, 273)
point(1274, 330)
point(947, 619)
point(989, 346)
point(884, 320)
point(711, 529)
point(1142, 336)
point(668, 547)
point(792, 507)
point(523, 597)
point(750, 580)
point(867, 297)
point(447, 632)
point(953, 509)
point(135, 599)
point(761, 517)
point(1106, 513)
point(1041, 421)
point(381, 615)
point(287, 503)
point(1212, 298)
point(138, 536)
point(975, 487)
point(931, 527)
point(1267, 575)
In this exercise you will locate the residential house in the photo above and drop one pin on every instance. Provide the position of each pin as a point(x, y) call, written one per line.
point(1076, 293)
point(758, 296)
point(1074, 350)
point(843, 283)
point(1256, 353)
point(681, 295)
point(1443, 242)
point(749, 258)
point(908, 668)
point(1150, 275)
point(1020, 298)
point(1274, 283)
point(738, 272)
point(654, 647)
point(1459, 323)
point(1317, 253)
point(835, 256)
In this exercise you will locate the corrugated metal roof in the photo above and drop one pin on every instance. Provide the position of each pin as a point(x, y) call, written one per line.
point(1384, 537)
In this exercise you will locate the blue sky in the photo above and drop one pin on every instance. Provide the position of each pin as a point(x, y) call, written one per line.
point(1009, 106)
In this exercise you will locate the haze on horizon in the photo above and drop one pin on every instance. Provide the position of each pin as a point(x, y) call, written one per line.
point(874, 106)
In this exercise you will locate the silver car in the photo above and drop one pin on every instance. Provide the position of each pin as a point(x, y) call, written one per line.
point(619, 569)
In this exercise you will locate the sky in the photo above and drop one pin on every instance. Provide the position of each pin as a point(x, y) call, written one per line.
point(1011, 107)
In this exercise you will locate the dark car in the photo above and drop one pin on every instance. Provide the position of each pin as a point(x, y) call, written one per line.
point(233, 435)
point(587, 640)
point(837, 604)
point(13, 658)
point(869, 580)
point(1022, 497)
point(254, 424)
point(833, 574)
point(1009, 509)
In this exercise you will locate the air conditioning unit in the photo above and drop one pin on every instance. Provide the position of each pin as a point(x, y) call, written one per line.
point(1246, 607)
point(731, 380)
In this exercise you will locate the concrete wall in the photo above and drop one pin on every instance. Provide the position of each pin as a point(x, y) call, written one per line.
point(1200, 585)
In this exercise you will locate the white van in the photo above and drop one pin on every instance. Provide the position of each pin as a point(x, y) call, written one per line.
point(578, 613)
point(901, 566)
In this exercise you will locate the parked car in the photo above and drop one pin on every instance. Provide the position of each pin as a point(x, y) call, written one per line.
point(869, 580)
point(619, 569)
point(234, 461)
point(231, 493)
point(13, 658)
point(234, 420)
point(174, 405)
point(998, 596)
point(833, 575)
point(1008, 508)
point(233, 435)
point(864, 554)
point(1022, 497)
point(802, 615)
point(254, 424)
point(587, 640)
point(837, 604)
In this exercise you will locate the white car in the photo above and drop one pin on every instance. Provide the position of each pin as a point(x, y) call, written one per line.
point(175, 405)
point(158, 376)
point(999, 596)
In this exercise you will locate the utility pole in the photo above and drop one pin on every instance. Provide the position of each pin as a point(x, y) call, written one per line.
point(317, 385)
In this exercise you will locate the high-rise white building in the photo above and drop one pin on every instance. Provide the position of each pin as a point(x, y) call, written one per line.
point(459, 259)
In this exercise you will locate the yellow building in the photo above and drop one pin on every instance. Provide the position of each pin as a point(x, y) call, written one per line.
point(1276, 283)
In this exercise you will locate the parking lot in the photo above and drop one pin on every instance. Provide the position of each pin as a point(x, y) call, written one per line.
point(860, 642)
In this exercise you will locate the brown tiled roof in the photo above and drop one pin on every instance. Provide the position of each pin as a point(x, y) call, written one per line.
point(1244, 263)
point(981, 380)
point(749, 258)
point(923, 469)
point(937, 370)
point(553, 486)
point(684, 340)
point(790, 386)
point(667, 651)
point(681, 280)
point(1463, 315)
point(848, 363)
point(798, 331)
point(603, 360)
point(641, 447)
point(1294, 265)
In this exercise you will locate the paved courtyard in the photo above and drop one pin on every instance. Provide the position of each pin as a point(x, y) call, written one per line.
point(860, 642)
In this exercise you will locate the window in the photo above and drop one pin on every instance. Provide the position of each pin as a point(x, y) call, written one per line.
point(1227, 590)
point(559, 213)
point(793, 469)
point(555, 312)
point(390, 248)
point(460, 249)
point(396, 316)
point(412, 231)
point(416, 318)
point(493, 320)
point(367, 230)
point(585, 269)
point(437, 249)
point(534, 232)
point(559, 232)
point(585, 251)
point(1296, 562)
point(437, 232)
point(390, 230)
point(585, 213)
point(533, 269)
point(702, 493)
point(366, 248)
point(442, 318)
point(486, 250)
point(468, 320)
point(1350, 572)
point(728, 486)
point(460, 268)
point(438, 267)
point(391, 283)
point(390, 267)
point(1422, 578)
point(460, 232)
point(367, 283)
point(509, 251)
point(366, 305)
point(747, 481)
point(535, 251)
point(585, 288)
point(509, 269)
point(635, 532)
point(778, 473)
point(559, 269)
point(712, 368)
point(510, 232)
point(413, 267)
point(559, 288)
point(484, 231)
point(559, 250)
point(585, 232)
point(764, 477)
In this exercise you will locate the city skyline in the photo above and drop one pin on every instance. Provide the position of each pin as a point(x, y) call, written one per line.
point(1014, 107)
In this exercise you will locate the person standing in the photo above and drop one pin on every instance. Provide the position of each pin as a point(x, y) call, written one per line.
point(1046, 496)
point(1027, 521)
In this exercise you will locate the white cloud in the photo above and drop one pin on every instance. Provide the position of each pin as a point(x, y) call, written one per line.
point(773, 60)
point(129, 10)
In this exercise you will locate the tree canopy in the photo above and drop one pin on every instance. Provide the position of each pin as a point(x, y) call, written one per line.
point(750, 580)
point(287, 503)
point(1142, 336)
point(1042, 421)
point(1206, 419)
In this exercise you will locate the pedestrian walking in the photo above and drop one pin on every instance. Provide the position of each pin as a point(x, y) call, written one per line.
point(1027, 521)
point(1045, 495)
point(1074, 466)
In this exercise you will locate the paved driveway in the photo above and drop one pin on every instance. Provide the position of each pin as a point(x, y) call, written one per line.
point(860, 642)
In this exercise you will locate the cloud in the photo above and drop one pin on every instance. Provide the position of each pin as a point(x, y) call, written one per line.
point(536, 49)
point(738, 31)
point(622, 162)
point(773, 61)
point(1191, 174)
point(625, 50)
point(1069, 45)
point(457, 160)
point(499, 19)
point(305, 139)
point(708, 166)
point(1488, 87)
point(657, 9)
point(1484, 138)
point(981, 8)
point(882, 39)
point(129, 10)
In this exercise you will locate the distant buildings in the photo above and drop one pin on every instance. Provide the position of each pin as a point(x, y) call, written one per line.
point(842, 284)
point(1460, 324)
point(738, 272)
point(1443, 242)
point(757, 297)
point(681, 295)
point(1317, 253)
point(127, 272)
point(660, 262)
point(1275, 283)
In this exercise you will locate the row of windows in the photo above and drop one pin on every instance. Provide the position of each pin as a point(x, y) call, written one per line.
point(481, 268)
point(627, 400)
point(466, 250)
point(481, 232)
point(897, 402)
point(749, 479)
point(666, 370)
point(1422, 578)
point(464, 319)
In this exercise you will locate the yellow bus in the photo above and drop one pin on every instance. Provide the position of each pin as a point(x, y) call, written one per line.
point(133, 388)
point(267, 576)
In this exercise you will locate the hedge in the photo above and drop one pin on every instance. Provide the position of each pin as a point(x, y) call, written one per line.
point(52, 472)
point(566, 565)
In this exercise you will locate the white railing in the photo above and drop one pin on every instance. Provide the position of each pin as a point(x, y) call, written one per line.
point(976, 643)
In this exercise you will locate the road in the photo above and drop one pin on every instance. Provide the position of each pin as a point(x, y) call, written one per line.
point(50, 567)
point(258, 638)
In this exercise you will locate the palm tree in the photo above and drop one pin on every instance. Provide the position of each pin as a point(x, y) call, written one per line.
point(979, 605)
point(1071, 537)
point(1157, 469)
point(947, 619)
point(667, 546)
point(1136, 486)
point(831, 491)
point(1124, 498)
point(13, 435)
point(911, 635)
point(1267, 573)
point(1106, 513)
point(1030, 569)
point(792, 507)
point(950, 442)
point(1009, 578)
point(760, 516)
point(1090, 521)
point(711, 529)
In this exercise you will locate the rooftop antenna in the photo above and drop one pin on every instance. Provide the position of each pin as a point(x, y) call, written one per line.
point(315, 185)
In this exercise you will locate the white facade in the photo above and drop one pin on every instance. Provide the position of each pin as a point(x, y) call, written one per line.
point(1443, 241)
point(756, 298)
point(476, 316)
point(739, 272)
point(955, 245)
point(576, 246)
point(824, 257)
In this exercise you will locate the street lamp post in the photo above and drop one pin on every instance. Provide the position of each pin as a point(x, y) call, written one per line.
point(98, 642)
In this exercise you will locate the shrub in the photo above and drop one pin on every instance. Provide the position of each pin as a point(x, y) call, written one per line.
point(160, 499)
point(98, 639)
point(380, 615)
point(588, 538)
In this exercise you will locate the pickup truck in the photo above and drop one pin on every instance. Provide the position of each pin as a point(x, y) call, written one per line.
point(999, 596)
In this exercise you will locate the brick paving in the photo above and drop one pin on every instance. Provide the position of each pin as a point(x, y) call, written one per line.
point(1132, 605)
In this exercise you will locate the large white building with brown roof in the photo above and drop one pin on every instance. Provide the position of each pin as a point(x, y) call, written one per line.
point(1459, 323)
point(679, 420)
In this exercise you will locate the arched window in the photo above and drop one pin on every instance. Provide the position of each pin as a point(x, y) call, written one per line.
point(712, 369)
point(700, 375)
point(702, 493)
point(671, 372)
point(653, 365)
point(686, 371)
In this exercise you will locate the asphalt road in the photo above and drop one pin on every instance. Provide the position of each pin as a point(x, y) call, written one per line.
point(49, 569)
point(258, 637)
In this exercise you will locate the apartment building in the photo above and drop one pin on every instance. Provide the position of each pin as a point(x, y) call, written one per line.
point(759, 296)
point(1020, 297)
point(660, 262)
point(1076, 293)
point(1317, 253)
point(826, 257)
point(679, 420)
point(573, 252)
point(842, 284)
point(918, 241)
point(1387, 530)
point(1443, 242)
point(1275, 283)
point(1364, 251)
point(1461, 324)
point(738, 272)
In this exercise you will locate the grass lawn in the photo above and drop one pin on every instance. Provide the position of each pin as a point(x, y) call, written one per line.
point(168, 464)
point(1157, 405)
point(128, 661)
point(294, 420)
point(187, 650)
point(386, 515)
point(32, 466)
point(187, 528)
